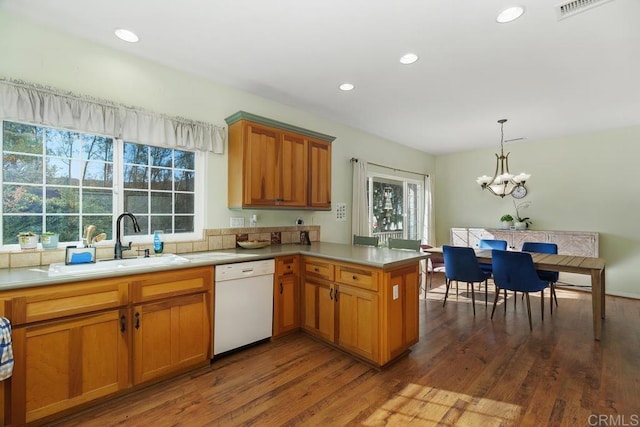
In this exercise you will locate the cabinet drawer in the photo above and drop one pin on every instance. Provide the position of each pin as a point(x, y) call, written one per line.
point(155, 286)
point(362, 278)
point(286, 265)
point(66, 300)
point(314, 267)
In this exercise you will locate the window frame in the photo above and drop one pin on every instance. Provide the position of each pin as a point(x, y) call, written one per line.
point(119, 190)
point(371, 175)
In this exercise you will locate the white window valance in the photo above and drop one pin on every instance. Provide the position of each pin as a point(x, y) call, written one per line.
point(42, 105)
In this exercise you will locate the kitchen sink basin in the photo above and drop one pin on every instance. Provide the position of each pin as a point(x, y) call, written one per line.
point(216, 256)
point(61, 269)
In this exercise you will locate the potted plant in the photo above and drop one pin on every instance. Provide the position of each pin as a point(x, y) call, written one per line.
point(506, 221)
point(28, 240)
point(49, 240)
point(521, 222)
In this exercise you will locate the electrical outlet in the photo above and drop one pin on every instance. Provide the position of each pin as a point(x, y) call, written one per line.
point(396, 292)
point(237, 222)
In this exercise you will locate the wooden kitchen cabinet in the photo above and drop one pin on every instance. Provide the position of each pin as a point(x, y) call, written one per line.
point(355, 307)
point(70, 345)
point(320, 174)
point(78, 342)
point(276, 165)
point(171, 322)
point(358, 326)
point(170, 335)
point(62, 364)
point(401, 308)
point(286, 295)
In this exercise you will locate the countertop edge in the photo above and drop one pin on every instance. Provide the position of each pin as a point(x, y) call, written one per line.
point(29, 277)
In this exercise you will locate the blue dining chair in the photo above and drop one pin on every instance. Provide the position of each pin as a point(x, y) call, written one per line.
point(515, 271)
point(491, 244)
point(548, 276)
point(461, 265)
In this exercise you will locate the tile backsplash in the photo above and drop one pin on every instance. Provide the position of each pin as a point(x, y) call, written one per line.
point(212, 239)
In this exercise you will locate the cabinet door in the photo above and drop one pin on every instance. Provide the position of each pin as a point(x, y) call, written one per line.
point(319, 309)
point(262, 170)
point(170, 335)
point(286, 316)
point(358, 321)
point(61, 364)
point(293, 168)
point(402, 293)
point(320, 172)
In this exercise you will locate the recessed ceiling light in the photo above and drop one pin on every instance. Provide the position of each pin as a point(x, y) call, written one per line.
point(126, 35)
point(346, 87)
point(510, 14)
point(408, 58)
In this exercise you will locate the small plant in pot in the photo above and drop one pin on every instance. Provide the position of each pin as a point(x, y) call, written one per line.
point(28, 240)
point(506, 221)
point(49, 240)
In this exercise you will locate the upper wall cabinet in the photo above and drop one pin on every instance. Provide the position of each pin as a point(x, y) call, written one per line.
point(276, 165)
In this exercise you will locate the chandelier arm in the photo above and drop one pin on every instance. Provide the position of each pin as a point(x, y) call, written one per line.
point(495, 174)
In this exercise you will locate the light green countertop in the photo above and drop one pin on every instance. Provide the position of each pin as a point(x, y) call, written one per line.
point(15, 278)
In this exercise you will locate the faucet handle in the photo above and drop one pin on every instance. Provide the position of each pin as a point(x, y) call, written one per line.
point(146, 252)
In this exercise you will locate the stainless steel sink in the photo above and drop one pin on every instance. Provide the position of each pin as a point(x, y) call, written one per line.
point(61, 269)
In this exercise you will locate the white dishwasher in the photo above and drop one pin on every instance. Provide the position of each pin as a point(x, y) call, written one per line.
point(243, 304)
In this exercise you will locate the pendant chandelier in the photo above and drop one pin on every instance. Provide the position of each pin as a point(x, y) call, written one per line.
point(503, 182)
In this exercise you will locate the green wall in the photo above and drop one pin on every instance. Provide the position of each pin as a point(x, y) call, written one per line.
point(584, 182)
point(37, 55)
point(578, 183)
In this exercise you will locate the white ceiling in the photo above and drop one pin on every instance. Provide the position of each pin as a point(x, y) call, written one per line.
point(549, 77)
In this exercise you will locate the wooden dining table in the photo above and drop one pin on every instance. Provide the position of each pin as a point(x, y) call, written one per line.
point(590, 266)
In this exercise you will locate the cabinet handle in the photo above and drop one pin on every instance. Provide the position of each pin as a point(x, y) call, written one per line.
point(316, 269)
point(331, 294)
point(354, 277)
point(336, 296)
point(281, 288)
point(288, 267)
point(137, 320)
point(123, 323)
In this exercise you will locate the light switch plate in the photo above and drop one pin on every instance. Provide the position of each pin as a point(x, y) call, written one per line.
point(341, 211)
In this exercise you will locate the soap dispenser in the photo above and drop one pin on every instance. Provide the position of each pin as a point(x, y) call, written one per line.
point(158, 244)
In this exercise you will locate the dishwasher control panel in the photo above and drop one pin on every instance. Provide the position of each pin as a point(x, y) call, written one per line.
point(244, 269)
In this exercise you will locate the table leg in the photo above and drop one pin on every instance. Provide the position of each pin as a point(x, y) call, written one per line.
point(596, 303)
point(602, 293)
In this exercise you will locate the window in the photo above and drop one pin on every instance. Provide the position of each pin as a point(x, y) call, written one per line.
point(395, 207)
point(61, 181)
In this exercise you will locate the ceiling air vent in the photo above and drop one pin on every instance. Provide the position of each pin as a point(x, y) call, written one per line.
point(569, 8)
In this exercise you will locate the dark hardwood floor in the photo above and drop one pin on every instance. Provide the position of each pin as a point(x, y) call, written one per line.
point(465, 371)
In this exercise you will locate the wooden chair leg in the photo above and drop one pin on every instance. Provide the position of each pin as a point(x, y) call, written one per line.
point(505, 301)
point(495, 301)
point(446, 293)
point(529, 311)
point(486, 292)
point(473, 298)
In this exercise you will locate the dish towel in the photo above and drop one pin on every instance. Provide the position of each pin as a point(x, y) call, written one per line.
point(6, 351)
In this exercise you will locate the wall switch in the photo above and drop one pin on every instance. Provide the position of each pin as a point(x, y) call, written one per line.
point(341, 211)
point(396, 292)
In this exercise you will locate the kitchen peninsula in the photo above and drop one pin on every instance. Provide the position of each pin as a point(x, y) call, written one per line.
point(104, 327)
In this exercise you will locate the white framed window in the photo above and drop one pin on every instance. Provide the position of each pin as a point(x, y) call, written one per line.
point(396, 206)
point(59, 180)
